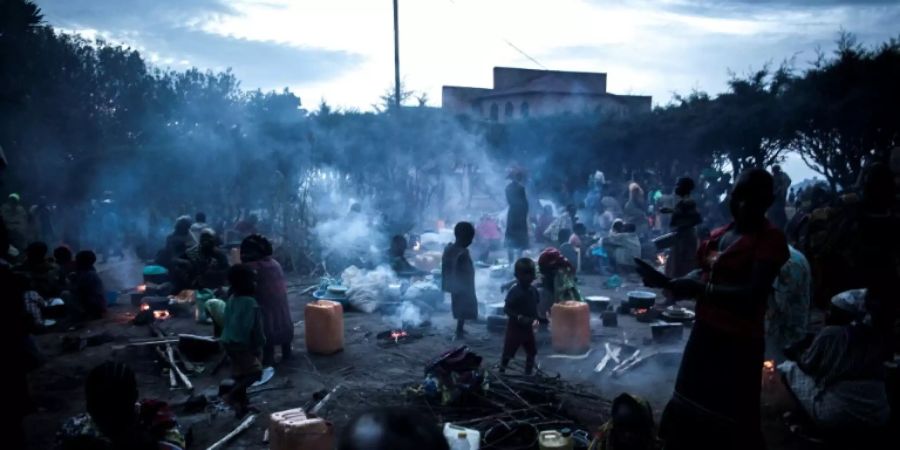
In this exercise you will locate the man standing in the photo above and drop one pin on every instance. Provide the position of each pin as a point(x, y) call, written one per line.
point(776, 213)
point(517, 216)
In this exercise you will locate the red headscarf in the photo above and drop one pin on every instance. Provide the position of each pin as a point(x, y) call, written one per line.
point(551, 258)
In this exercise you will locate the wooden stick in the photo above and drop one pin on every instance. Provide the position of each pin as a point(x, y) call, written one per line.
point(187, 364)
point(142, 344)
point(181, 376)
point(172, 383)
point(635, 362)
point(322, 402)
point(309, 289)
point(516, 394)
point(626, 360)
point(240, 428)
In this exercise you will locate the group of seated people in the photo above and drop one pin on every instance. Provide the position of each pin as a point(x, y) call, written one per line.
point(835, 380)
point(61, 285)
point(193, 257)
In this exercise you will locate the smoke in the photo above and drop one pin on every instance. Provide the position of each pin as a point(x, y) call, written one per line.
point(407, 315)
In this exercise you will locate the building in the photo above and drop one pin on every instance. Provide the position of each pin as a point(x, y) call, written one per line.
point(524, 93)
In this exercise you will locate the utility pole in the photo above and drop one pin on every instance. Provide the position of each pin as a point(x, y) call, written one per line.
point(396, 59)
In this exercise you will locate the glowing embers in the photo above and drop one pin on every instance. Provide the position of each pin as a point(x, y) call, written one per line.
point(397, 336)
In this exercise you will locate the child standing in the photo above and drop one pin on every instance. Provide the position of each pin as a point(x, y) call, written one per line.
point(458, 276)
point(521, 309)
point(242, 335)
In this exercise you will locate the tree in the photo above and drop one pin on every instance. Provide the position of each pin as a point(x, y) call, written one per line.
point(844, 110)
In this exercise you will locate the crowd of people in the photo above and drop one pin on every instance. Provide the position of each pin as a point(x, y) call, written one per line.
point(754, 278)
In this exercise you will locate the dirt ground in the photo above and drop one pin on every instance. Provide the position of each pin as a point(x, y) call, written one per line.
point(370, 375)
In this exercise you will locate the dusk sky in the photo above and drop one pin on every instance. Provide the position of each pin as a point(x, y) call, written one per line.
point(342, 50)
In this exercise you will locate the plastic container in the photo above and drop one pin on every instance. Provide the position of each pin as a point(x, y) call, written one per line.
point(554, 440)
point(293, 429)
point(461, 438)
point(570, 327)
point(324, 324)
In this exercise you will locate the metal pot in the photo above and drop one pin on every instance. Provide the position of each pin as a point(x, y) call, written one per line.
point(641, 299)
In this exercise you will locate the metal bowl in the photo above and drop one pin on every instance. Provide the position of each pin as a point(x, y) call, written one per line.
point(597, 303)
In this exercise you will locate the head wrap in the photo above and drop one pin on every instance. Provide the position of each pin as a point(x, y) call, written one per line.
point(852, 301)
point(551, 258)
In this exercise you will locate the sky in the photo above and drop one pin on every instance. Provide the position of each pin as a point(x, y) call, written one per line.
point(342, 50)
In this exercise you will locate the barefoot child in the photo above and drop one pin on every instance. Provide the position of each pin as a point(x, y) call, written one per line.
point(521, 309)
point(458, 276)
point(242, 335)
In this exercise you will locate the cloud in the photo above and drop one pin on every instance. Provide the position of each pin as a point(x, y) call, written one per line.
point(170, 33)
point(342, 50)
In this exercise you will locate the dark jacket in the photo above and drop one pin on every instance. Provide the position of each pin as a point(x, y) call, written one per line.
point(458, 278)
point(521, 305)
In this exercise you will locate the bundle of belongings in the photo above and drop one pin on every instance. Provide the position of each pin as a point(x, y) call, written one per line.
point(454, 376)
point(367, 288)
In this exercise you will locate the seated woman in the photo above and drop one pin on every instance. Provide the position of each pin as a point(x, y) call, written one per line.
point(399, 264)
point(88, 298)
point(41, 273)
point(557, 281)
point(839, 381)
point(115, 419)
point(204, 265)
point(622, 245)
point(176, 243)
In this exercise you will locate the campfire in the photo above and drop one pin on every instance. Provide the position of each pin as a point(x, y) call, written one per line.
point(769, 366)
point(661, 259)
point(141, 288)
point(398, 336)
point(146, 312)
point(644, 315)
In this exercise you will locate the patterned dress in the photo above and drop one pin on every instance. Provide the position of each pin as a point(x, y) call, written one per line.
point(789, 303)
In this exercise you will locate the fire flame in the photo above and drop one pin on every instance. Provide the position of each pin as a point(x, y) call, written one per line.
point(142, 288)
point(144, 306)
point(417, 246)
point(641, 310)
point(661, 259)
point(161, 314)
point(396, 335)
point(769, 366)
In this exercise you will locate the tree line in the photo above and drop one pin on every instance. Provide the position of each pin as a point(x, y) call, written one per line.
point(78, 118)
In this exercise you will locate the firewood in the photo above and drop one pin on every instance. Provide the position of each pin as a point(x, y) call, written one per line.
point(171, 362)
point(231, 435)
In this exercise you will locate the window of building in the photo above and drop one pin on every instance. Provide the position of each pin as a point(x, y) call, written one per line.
point(508, 110)
point(495, 112)
point(525, 109)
